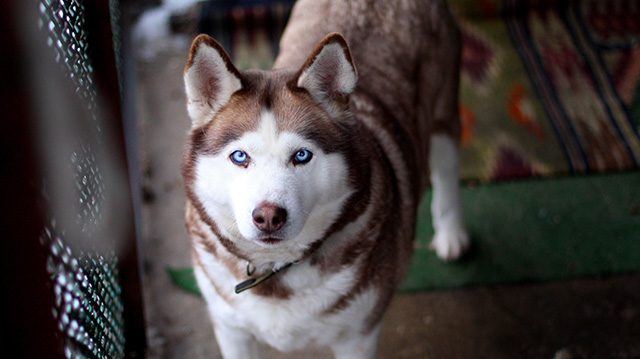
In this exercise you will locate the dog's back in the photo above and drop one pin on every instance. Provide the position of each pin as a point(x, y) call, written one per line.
point(407, 54)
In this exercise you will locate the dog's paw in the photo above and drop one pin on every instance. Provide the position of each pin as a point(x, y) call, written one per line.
point(450, 243)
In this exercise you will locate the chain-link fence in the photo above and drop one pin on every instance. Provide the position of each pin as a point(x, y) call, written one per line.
point(69, 61)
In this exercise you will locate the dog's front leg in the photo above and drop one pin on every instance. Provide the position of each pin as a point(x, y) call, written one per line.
point(357, 347)
point(450, 239)
point(236, 343)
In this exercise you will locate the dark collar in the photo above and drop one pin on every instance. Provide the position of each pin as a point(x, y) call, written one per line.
point(252, 282)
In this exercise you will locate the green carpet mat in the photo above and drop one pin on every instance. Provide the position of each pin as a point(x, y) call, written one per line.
point(533, 230)
point(537, 230)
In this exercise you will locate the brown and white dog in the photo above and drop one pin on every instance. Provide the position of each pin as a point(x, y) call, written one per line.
point(303, 181)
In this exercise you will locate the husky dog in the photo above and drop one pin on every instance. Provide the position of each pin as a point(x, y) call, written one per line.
point(303, 181)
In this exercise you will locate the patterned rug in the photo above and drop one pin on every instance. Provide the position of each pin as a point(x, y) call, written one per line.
point(548, 87)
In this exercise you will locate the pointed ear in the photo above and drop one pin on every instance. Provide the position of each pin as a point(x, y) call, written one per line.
point(329, 73)
point(210, 79)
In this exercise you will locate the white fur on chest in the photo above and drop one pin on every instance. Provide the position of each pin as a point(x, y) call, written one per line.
point(293, 323)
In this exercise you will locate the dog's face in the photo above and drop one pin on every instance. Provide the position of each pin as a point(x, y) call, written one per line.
point(265, 185)
point(269, 158)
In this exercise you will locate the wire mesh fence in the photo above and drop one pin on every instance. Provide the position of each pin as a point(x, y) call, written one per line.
point(70, 56)
point(85, 278)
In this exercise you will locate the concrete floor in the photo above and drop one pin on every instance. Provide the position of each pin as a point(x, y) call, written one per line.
point(590, 318)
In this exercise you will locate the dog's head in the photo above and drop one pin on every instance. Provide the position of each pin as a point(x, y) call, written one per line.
point(271, 151)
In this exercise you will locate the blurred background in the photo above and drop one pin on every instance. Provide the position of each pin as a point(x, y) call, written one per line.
point(96, 263)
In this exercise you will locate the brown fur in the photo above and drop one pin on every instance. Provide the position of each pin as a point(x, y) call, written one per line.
point(407, 54)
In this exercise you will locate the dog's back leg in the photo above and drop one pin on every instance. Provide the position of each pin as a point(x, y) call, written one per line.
point(439, 81)
point(450, 240)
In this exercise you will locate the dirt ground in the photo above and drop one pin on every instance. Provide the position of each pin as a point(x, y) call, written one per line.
point(589, 318)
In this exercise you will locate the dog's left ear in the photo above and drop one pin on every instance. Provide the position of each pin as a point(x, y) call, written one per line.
point(329, 73)
point(210, 80)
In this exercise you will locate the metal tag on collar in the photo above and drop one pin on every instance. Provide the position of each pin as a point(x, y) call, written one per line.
point(250, 269)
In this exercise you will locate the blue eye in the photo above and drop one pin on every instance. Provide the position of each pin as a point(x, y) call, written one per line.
point(302, 156)
point(239, 158)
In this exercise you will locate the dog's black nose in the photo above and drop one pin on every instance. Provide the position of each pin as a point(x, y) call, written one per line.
point(269, 217)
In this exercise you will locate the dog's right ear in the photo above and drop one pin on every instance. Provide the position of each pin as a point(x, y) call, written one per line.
point(210, 79)
point(329, 74)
